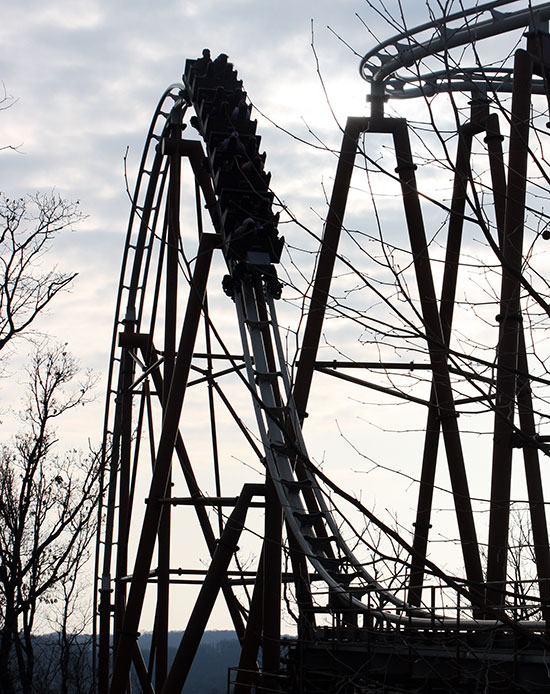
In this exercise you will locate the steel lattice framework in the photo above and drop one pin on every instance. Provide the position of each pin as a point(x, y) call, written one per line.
point(167, 348)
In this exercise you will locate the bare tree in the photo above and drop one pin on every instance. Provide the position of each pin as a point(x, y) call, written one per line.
point(48, 497)
point(47, 514)
point(27, 227)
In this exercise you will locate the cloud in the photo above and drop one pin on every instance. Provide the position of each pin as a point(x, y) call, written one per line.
point(88, 76)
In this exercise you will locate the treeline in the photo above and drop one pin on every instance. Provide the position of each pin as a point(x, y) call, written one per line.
point(65, 667)
point(219, 650)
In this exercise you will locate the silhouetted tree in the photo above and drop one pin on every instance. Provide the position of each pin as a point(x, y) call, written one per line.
point(27, 227)
point(47, 515)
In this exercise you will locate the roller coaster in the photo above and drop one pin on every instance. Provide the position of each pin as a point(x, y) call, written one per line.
point(173, 433)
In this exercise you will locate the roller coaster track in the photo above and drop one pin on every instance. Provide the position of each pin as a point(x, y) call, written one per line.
point(150, 372)
point(391, 67)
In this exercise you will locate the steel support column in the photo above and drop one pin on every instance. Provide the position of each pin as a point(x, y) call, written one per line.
point(535, 493)
point(161, 472)
point(438, 354)
point(524, 398)
point(510, 326)
point(247, 672)
point(448, 292)
point(162, 622)
point(210, 588)
point(325, 264)
point(125, 442)
point(271, 619)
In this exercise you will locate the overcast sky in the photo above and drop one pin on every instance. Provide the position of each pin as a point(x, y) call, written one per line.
point(85, 77)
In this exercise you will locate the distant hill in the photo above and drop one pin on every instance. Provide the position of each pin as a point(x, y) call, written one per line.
point(218, 651)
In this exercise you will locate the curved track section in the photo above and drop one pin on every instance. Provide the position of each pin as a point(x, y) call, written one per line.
point(394, 67)
point(149, 378)
point(235, 188)
point(301, 498)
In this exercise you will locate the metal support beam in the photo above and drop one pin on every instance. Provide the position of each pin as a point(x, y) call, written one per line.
point(125, 453)
point(162, 622)
point(247, 672)
point(462, 176)
point(437, 349)
point(510, 326)
point(227, 546)
point(271, 618)
point(325, 264)
point(161, 472)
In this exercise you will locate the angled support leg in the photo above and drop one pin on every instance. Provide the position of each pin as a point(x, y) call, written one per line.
point(325, 265)
point(209, 591)
point(438, 355)
point(479, 114)
point(510, 327)
point(162, 469)
point(524, 396)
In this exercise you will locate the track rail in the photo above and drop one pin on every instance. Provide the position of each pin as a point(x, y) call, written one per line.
point(393, 67)
point(302, 498)
point(148, 190)
point(315, 530)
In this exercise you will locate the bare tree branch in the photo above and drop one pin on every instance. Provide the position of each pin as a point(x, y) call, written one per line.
point(28, 225)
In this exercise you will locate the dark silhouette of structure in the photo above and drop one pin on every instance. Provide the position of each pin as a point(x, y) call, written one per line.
point(355, 632)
